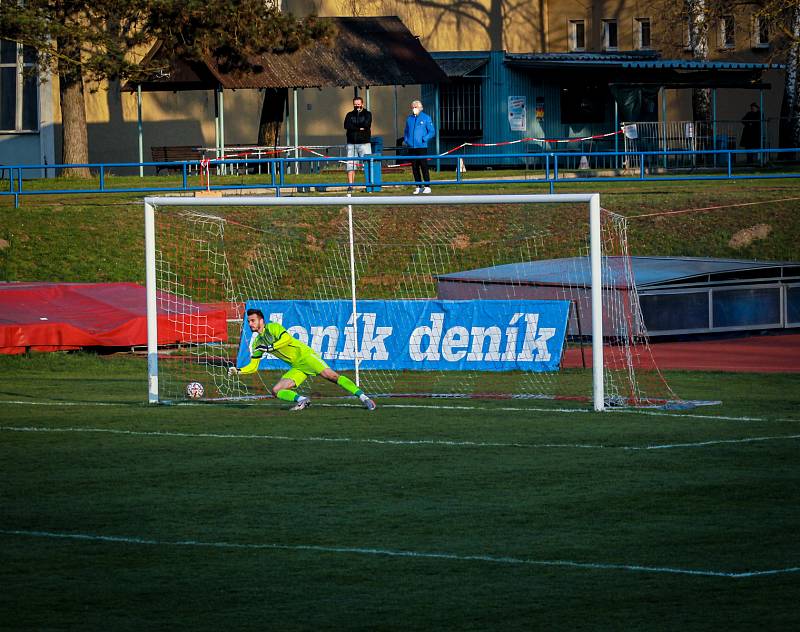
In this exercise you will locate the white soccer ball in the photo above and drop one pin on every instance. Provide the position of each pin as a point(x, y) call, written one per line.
point(195, 390)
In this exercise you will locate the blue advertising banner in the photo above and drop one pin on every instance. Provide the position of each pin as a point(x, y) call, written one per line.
point(422, 335)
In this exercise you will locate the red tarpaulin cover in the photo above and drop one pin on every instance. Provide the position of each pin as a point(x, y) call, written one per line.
point(63, 316)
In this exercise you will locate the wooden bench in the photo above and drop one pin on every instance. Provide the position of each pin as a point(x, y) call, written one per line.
point(174, 153)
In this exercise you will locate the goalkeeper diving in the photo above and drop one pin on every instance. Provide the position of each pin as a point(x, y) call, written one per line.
point(273, 338)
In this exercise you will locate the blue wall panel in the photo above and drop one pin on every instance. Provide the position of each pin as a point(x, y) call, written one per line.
point(502, 82)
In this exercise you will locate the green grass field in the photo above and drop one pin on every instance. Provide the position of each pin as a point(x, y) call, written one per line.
point(426, 514)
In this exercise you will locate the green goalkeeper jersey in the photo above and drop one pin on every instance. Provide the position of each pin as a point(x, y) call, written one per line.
point(276, 341)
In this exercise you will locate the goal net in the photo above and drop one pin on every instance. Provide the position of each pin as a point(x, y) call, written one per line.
point(501, 296)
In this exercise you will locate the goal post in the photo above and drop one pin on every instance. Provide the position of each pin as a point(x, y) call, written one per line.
point(169, 291)
point(595, 252)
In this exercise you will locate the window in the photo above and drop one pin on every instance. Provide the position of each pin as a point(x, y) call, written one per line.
point(583, 103)
point(642, 33)
point(760, 32)
point(19, 94)
point(610, 40)
point(727, 32)
point(577, 35)
point(460, 109)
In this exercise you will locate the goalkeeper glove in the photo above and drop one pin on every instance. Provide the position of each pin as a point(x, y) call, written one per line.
point(232, 370)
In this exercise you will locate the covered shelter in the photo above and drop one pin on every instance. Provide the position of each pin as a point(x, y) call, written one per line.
point(360, 52)
point(676, 295)
point(577, 94)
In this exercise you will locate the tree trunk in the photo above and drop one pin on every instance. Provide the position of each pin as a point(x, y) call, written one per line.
point(701, 104)
point(698, 43)
point(75, 143)
point(790, 106)
point(273, 110)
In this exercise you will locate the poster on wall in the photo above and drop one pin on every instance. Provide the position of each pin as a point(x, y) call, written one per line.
point(539, 108)
point(517, 116)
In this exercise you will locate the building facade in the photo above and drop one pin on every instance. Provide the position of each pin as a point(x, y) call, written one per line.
point(27, 126)
point(492, 50)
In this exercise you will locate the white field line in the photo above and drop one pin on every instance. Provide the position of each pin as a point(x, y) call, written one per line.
point(37, 403)
point(700, 444)
point(519, 409)
point(346, 550)
point(399, 442)
point(568, 410)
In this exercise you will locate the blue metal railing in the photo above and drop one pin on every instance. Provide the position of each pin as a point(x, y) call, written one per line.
point(536, 168)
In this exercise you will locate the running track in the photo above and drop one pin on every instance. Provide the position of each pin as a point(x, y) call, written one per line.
point(753, 354)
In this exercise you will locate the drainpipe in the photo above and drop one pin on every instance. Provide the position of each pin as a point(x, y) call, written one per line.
point(296, 132)
point(139, 128)
point(438, 148)
point(616, 136)
point(714, 122)
point(762, 126)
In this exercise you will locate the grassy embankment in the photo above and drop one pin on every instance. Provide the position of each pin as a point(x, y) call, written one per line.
point(100, 237)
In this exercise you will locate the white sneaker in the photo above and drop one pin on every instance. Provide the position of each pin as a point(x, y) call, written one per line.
point(303, 402)
point(426, 190)
point(417, 191)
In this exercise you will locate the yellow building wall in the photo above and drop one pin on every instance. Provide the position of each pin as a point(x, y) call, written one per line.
point(537, 26)
point(443, 25)
point(187, 118)
point(534, 26)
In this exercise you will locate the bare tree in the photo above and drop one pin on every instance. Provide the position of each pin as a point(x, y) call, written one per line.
point(698, 19)
point(783, 19)
point(273, 109)
point(790, 106)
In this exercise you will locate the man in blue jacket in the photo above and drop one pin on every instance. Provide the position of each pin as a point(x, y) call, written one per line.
point(419, 130)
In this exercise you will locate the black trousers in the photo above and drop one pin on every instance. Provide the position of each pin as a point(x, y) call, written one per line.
point(419, 166)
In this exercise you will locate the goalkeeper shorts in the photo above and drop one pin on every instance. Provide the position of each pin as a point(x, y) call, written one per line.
point(304, 368)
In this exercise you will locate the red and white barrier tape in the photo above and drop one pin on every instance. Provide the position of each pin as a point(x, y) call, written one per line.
point(206, 162)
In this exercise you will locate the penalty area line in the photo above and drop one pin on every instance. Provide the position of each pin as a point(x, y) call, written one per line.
point(312, 439)
point(398, 553)
point(454, 443)
point(700, 444)
point(520, 409)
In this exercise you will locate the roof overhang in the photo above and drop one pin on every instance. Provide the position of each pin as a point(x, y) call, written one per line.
point(638, 59)
point(648, 272)
point(369, 51)
point(644, 68)
point(461, 65)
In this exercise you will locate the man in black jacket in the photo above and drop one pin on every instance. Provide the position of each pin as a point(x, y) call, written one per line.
point(358, 123)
